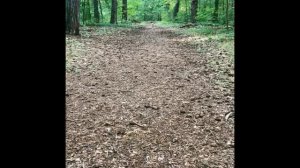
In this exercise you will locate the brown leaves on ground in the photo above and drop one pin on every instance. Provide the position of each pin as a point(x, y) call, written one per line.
point(145, 98)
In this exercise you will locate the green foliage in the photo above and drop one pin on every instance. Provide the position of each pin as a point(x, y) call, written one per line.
point(159, 10)
point(133, 8)
point(205, 14)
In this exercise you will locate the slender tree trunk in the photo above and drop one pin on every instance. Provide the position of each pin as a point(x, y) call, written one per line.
point(101, 13)
point(114, 11)
point(83, 13)
point(194, 5)
point(68, 16)
point(186, 11)
point(76, 16)
point(159, 17)
point(96, 11)
point(124, 10)
point(176, 9)
point(89, 15)
point(227, 5)
point(72, 16)
point(86, 13)
point(216, 11)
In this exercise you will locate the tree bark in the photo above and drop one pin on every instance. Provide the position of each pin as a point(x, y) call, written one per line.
point(194, 5)
point(96, 11)
point(227, 5)
point(114, 11)
point(216, 11)
point(101, 13)
point(124, 10)
point(68, 17)
point(72, 17)
point(88, 15)
point(83, 13)
point(176, 9)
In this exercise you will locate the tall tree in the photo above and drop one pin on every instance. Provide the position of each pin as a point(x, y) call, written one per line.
point(124, 10)
point(101, 13)
point(216, 11)
point(227, 19)
point(114, 11)
point(88, 10)
point(176, 9)
point(96, 11)
point(186, 11)
point(83, 11)
point(72, 16)
point(194, 5)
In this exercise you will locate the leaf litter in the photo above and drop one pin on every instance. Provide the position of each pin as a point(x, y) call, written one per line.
point(144, 97)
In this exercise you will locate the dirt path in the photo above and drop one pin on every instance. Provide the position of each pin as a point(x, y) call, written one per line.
point(143, 98)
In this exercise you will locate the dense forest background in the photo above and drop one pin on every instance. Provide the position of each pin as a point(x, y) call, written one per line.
point(101, 12)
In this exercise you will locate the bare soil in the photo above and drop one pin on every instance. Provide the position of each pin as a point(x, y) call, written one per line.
point(147, 98)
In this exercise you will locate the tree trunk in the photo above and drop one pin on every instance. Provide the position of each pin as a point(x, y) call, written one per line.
point(72, 17)
point(114, 11)
point(101, 13)
point(124, 10)
point(194, 5)
point(83, 13)
point(186, 11)
point(176, 9)
point(216, 11)
point(227, 5)
point(159, 17)
point(68, 17)
point(88, 10)
point(96, 11)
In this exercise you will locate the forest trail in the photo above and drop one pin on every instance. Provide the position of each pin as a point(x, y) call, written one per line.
point(145, 98)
